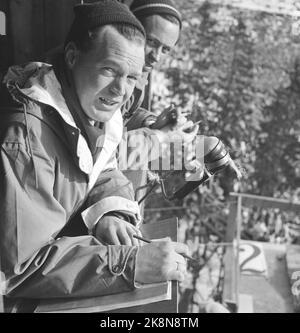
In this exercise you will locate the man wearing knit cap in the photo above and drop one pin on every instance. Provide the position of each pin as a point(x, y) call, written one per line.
point(59, 127)
point(162, 23)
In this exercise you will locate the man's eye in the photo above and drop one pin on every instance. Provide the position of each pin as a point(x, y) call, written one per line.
point(107, 71)
point(151, 42)
point(132, 78)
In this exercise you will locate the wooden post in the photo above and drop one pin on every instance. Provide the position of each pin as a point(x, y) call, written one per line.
point(230, 274)
point(237, 249)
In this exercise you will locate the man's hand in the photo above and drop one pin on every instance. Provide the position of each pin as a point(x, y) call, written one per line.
point(161, 261)
point(114, 231)
point(184, 131)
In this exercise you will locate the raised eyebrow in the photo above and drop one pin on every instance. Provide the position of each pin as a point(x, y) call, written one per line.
point(110, 64)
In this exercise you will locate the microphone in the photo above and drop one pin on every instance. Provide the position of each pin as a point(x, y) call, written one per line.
point(216, 158)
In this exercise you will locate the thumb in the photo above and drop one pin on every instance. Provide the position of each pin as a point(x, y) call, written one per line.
point(187, 125)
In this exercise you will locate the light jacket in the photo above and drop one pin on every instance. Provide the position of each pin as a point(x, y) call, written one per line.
point(47, 174)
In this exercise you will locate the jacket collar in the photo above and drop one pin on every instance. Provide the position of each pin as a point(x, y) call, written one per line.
point(38, 82)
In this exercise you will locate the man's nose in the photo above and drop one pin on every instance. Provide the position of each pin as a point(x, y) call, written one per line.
point(118, 87)
point(156, 54)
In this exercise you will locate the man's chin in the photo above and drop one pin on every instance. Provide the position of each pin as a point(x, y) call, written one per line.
point(104, 116)
point(101, 115)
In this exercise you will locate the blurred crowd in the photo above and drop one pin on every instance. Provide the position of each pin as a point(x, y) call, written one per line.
point(273, 226)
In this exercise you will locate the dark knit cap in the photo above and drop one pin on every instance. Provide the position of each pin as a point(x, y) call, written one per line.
point(92, 15)
point(144, 8)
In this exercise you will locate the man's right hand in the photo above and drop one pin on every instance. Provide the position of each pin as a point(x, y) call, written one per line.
point(184, 131)
point(161, 261)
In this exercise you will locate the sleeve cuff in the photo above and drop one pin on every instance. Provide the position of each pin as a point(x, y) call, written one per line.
point(121, 262)
point(94, 213)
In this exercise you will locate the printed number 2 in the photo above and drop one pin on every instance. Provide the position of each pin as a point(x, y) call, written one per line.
point(296, 284)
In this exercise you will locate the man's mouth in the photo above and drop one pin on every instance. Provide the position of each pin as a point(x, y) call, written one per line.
point(148, 66)
point(107, 101)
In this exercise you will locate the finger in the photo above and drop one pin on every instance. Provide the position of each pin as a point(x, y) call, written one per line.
point(133, 230)
point(169, 108)
point(189, 137)
point(187, 125)
point(124, 237)
point(195, 130)
point(194, 164)
point(179, 259)
point(140, 242)
point(134, 241)
point(113, 238)
point(181, 121)
point(192, 133)
point(175, 275)
point(181, 248)
point(136, 229)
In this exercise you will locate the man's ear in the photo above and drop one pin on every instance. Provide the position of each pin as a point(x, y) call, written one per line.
point(71, 54)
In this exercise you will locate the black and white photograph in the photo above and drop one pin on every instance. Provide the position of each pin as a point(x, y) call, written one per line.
point(150, 159)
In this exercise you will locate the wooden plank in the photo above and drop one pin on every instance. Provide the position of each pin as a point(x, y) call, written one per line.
point(231, 221)
point(250, 200)
point(236, 251)
point(230, 292)
point(230, 287)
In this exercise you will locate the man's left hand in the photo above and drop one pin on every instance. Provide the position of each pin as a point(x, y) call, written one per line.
point(115, 231)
